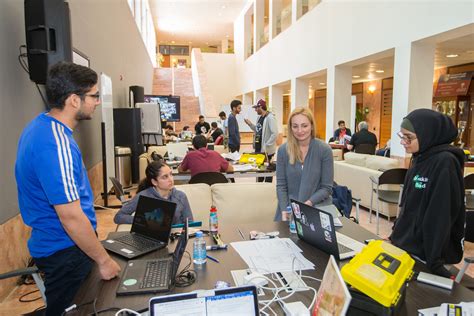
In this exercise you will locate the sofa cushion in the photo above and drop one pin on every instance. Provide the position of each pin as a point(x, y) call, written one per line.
point(200, 200)
point(355, 159)
point(251, 203)
point(380, 163)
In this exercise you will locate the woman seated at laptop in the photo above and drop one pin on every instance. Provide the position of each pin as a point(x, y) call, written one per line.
point(158, 184)
point(305, 169)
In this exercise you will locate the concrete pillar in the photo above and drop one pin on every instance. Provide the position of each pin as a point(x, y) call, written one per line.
point(258, 22)
point(248, 34)
point(338, 96)
point(299, 92)
point(412, 85)
point(275, 95)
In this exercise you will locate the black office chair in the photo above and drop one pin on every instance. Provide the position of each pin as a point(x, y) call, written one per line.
point(392, 176)
point(365, 149)
point(209, 178)
point(118, 190)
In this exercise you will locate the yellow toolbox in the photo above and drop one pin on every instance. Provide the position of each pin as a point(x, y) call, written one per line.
point(380, 271)
point(252, 158)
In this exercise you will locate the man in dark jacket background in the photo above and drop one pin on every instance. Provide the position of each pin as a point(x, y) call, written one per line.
point(431, 222)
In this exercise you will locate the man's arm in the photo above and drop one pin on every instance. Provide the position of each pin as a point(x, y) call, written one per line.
point(250, 124)
point(80, 230)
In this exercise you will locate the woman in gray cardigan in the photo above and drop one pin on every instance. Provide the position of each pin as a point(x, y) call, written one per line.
point(158, 184)
point(305, 168)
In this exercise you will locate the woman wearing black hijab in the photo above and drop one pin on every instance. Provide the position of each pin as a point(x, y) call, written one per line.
point(431, 222)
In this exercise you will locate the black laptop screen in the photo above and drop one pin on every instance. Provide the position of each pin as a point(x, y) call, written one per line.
point(153, 218)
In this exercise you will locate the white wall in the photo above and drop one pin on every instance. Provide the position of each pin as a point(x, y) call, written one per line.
point(221, 81)
point(337, 32)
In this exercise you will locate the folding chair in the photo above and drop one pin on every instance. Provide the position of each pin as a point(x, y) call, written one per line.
point(118, 189)
point(392, 176)
point(34, 272)
point(469, 230)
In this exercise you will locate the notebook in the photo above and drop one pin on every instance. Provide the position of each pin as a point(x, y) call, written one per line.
point(150, 230)
point(229, 301)
point(316, 227)
point(153, 275)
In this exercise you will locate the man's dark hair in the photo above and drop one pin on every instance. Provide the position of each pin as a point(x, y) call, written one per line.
point(222, 114)
point(201, 116)
point(341, 122)
point(234, 104)
point(169, 127)
point(185, 128)
point(199, 141)
point(66, 78)
point(214, 124)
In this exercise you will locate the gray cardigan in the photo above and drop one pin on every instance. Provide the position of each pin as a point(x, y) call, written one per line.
point(269, 133)
point(313, 182)
point(183, 210)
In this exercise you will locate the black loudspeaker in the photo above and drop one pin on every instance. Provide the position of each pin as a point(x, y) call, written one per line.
point(128, 133)
point(48, 36)
point(136, 95)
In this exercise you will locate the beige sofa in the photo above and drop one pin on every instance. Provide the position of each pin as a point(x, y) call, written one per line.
point(355, 171)
point(252, 203)
point(145, 158)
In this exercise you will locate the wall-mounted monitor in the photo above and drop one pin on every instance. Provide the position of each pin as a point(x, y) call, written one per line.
point(170, 106)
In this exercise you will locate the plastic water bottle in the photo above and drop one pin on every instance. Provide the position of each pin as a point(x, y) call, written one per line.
point(291, 220)
point(199, 249)
point(213, 221)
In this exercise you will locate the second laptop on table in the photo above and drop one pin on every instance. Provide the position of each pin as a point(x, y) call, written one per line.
point(150, 230)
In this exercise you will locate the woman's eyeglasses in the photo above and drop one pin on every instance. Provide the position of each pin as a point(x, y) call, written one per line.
point(406, 138)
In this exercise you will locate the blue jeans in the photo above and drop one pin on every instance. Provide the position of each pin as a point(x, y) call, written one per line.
point(64, 272)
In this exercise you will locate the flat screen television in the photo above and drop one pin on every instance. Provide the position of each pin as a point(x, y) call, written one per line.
point(170, 106)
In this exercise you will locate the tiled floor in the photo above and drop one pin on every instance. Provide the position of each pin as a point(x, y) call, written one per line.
point(11, 305)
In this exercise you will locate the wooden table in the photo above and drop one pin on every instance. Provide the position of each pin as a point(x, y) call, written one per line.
point(418, 295)
point(186, 176)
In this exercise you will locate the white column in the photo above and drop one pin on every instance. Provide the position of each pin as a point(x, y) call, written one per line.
point(247, 34)
point(295, 11)
point(275, 13)
point(257, 95)
point(276, 100)
point(258, 14)
point(299, 92)
point(412, 85)
point(224, 45)
point(338, 96)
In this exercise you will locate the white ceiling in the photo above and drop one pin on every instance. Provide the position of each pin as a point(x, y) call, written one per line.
point(195, 22)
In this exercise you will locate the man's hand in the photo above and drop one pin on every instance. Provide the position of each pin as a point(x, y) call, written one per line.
point(109, 269)
point(308, 202)
point(247, 121)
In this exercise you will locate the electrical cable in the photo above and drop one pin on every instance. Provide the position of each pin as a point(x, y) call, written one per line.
point(186, 276)
point(128, 311)
point(21, 300)
point(109, 309)
point(74, 306)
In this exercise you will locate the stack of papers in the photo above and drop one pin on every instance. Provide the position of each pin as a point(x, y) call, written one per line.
point(272, 255)
point(235, 156)
point(244, 167)
point(462, 309)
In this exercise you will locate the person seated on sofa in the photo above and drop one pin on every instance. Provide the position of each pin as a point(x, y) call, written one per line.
point(362, 137)
point(385, 151)
point(203, 159)
point(341, 132)
point(214, 132)
point(432, 217)
point(158, 184)
point(305, 167)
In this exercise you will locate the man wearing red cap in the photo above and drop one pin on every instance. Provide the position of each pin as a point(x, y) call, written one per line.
point(266, 131)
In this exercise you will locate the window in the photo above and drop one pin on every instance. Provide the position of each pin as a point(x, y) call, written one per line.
point(140, 10)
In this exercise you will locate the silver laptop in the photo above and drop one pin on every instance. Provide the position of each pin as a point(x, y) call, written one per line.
point(316, 227)
point(176, 150)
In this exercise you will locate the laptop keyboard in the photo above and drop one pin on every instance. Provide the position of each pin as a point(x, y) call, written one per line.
point(156, 274)
point(138, 242)
point(343, 249)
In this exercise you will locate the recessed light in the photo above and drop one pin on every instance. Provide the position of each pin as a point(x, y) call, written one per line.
point(172, 42)
point(356, 76)
point(223, 7)
point(227, 36)
point(380, 71)
point(452, 55)
point(322, 84)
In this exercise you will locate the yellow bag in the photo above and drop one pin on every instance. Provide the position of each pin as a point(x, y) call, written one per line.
point(252, 158)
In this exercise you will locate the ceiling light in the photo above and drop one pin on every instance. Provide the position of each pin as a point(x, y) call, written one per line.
point(356, 76)
point(322, 84)
point(380, 71)
point(452, 55)
point(172, 42)
point(371, 89)
point(227, 36)
point(223, 7)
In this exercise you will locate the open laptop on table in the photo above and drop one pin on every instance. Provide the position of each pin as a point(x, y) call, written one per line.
point(176, 150)
point(316, 227)
point(228, 301)
point(150, 230)
point(153, 275)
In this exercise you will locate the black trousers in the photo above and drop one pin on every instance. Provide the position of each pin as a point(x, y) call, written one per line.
point(64, 271)
point(233, 148)
point(266, 179)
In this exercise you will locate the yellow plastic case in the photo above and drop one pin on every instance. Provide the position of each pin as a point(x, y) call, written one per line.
point(380, 271)
point(257, 159)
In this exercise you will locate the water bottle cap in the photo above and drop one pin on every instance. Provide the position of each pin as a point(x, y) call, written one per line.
point(199, 234)
point(288, 208)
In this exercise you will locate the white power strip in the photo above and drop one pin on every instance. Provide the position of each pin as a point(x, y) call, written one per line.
point(435, 280)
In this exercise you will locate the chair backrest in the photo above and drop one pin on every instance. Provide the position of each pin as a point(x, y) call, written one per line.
point(118, 189)
point(365, 149)
point(219, 140)
point(209, 178)
point(393, 176)
point(469, 182)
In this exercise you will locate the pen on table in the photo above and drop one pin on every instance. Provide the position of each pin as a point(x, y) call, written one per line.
point(241, 235)
point(217, 247)
point(212, 258)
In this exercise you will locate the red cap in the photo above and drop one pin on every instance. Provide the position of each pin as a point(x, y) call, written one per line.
point(261, 103)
